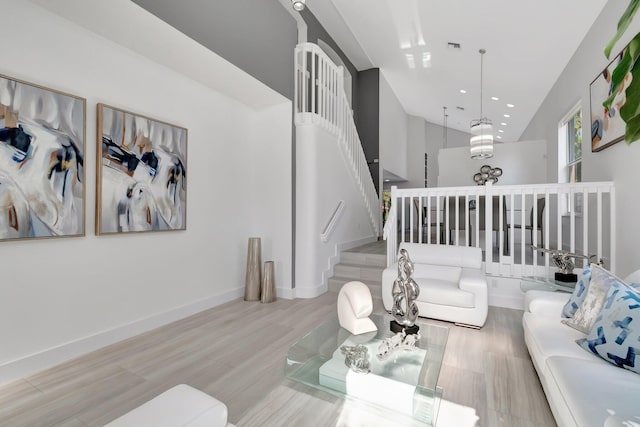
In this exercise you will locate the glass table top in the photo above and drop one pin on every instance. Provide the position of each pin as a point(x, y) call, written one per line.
point(405, 382)
point(529, 283)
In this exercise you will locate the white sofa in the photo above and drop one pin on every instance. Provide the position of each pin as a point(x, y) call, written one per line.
point(180, 406)
point(583, 390)
point(452, 283)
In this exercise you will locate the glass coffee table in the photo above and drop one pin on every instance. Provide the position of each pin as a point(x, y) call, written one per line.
point(406, 382)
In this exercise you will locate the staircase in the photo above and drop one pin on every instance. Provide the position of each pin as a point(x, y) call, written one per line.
point(320, 99)
point(362, 264)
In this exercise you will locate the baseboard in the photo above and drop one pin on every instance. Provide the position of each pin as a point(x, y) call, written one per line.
point(311, 292)
point(37, 362)
point(505, 292)
point(506, 301)
point(286, 293)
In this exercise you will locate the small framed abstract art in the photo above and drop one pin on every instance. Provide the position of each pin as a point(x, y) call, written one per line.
point(142, 173)
point(607, 127)
point(42, 143)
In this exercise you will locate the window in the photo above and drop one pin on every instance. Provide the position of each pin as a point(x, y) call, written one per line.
point(570, 147)
point(570, 153)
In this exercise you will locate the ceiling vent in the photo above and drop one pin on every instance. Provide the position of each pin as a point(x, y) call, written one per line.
point(452, 45)
point(460, 108)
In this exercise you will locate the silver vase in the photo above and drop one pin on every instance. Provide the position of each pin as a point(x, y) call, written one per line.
point(268, 283)
point(253, 278)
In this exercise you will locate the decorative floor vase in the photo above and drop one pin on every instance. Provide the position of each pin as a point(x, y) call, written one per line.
point(253, 278)
point(268, 283)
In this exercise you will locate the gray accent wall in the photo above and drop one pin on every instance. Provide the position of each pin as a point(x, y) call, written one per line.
point(315, 32)
point(258, 37)
point(368, 123)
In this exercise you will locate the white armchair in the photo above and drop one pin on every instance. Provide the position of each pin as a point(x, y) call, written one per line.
point(452, 284)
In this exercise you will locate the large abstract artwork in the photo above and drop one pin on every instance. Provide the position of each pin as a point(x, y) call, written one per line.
point(42, 135)
point(142, 173)
point(607, 127)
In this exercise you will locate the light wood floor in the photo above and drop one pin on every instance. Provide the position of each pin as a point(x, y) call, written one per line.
point(236, 353)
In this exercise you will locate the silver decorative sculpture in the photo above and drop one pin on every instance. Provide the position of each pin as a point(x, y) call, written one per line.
point(356, 358)
point(564, 261)
point(399, 341)
point(487, 174)
point(405, 291)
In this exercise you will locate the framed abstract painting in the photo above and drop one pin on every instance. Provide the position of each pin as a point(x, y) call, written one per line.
point(607, 127)
point(142, 173)
point(42, 178)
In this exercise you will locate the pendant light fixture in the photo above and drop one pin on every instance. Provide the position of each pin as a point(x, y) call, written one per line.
point(298, 5)
point(481, 129)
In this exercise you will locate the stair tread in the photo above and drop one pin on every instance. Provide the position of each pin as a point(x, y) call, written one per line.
point(351, 264)
point(361, 280)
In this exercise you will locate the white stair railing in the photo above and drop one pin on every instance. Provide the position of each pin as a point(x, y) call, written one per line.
point(577, 217)
point(320, 99)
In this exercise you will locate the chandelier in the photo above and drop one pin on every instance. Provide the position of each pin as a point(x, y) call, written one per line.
point(481, 129)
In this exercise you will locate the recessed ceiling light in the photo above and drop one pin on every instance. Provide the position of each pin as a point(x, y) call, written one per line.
point(510, 105)
point(387, 180)
point(463, 91)
point(507, 115)
point(495, 98)
point(498, 136)
point(501, 131)
point(503, 124)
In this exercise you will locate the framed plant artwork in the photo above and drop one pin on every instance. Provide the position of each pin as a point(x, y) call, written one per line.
point(142, 173)
point(607, 127)
point(42, 178)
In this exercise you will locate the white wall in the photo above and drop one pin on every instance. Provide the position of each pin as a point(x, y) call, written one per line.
point(522, 162)
point(393, 132)
point(416, 147)
point(62, 297)
point(435, 141)
point(323, 178)
point(618, 163)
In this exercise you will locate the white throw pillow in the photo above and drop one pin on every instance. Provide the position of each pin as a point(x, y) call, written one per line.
point(585, 316)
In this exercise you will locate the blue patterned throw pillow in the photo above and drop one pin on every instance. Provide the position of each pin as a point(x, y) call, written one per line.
point(579, 293)
point(615, 335)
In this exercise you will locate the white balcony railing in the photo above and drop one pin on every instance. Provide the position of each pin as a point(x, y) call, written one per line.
point(320, 99)
point(575, 217)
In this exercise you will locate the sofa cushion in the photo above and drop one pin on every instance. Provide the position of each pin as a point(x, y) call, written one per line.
point(615, 335)
point(456, 256)
point(546, 337)
point(585, 316)
point(590, 389)
point(579, 293)
point(545, 303)
point(438, 272)
point(443, 292)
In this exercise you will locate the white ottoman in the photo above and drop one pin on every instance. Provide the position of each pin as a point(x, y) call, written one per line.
point(180, 406)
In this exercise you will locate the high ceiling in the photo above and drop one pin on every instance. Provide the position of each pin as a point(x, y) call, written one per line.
point(528, 44)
